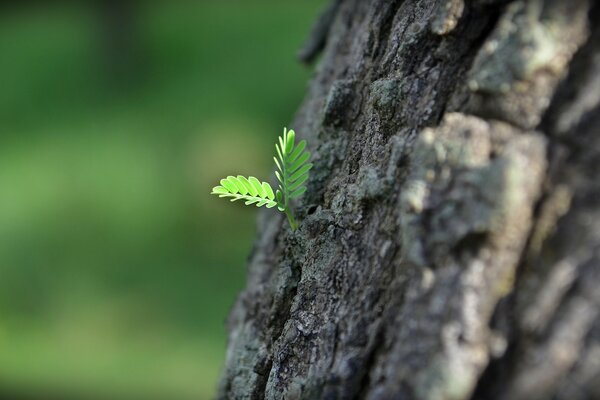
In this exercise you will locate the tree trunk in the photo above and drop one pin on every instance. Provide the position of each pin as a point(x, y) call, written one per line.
point(449, 242)
point(119, 39)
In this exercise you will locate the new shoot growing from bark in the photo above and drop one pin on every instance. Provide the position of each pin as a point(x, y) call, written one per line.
point(292, 173)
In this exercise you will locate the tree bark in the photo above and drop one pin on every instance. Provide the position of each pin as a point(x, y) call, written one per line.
point(449, 242)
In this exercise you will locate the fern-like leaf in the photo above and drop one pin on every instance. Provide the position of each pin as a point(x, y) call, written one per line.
point(293, 166)
point(292, 173)
point(250, 190)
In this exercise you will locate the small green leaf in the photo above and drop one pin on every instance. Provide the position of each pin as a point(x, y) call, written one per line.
point(299, 162)
point(277, 163)
point(268, 190)
point(229, 186)
point(279, 153)
point(249, 187)
point(292, 173)
point(257, 185)
point(297, 150)
point(240, 186)
point(304, 169)
point(291, 136)
point(282, 145)
point(298, 182)
point(219, 190)
point(298, 192)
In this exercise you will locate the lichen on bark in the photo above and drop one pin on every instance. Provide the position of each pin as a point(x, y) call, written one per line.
point(448, 244)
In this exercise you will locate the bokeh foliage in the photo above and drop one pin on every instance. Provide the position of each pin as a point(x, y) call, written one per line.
point(117, 269)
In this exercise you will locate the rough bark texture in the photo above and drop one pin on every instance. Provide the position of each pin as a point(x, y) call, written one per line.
point(450, 237)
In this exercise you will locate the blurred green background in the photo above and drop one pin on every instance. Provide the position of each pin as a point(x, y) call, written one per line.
point(117, 269)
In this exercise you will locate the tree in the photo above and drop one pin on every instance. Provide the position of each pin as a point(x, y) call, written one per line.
point(119, 37)
point(449, 240)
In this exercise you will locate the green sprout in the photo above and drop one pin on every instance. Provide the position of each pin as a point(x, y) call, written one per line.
point(292, 173)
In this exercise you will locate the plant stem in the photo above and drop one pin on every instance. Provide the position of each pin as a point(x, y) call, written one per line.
point(290, 215)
